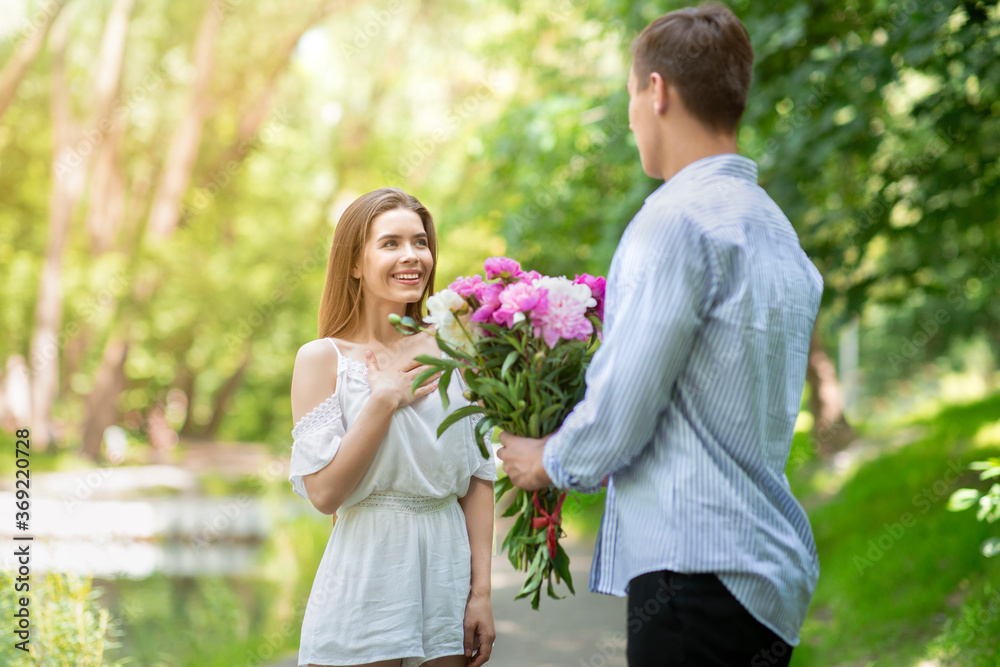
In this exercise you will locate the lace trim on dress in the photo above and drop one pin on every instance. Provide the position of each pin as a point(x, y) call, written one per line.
point(356, 368)
point(324, 414)
point(390, 501)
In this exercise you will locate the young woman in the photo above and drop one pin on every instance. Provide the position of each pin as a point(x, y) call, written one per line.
point(405, 578)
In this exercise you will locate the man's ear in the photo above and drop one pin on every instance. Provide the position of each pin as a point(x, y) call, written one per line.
point(660, 93)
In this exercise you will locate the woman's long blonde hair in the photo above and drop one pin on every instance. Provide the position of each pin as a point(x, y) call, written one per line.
point(340, 308)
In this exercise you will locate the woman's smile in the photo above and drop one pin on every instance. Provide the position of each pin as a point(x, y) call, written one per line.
point(408, 277)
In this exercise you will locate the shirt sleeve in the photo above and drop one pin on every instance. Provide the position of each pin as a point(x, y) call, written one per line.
point(632, 375)
point(315, 441)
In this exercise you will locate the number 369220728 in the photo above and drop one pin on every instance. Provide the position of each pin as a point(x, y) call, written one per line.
point(23, 474)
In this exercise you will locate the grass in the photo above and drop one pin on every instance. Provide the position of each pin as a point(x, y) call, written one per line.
point(902, 581)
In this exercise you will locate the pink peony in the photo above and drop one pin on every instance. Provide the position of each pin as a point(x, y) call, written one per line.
point(502, 267)
point(516, 300)
point(597, 285)
point(531, 276)
point(465, 286)
point(489, 297)
point(566, 313)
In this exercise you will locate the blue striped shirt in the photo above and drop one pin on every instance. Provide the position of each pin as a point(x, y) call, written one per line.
point(692, 397)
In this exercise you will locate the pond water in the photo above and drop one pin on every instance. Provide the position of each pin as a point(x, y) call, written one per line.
point(136, 538)
point(189, 579)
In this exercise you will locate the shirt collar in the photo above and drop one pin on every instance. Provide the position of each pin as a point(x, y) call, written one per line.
point(722, 164)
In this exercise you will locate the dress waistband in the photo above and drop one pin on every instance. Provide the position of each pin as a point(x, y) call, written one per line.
point(392, 501)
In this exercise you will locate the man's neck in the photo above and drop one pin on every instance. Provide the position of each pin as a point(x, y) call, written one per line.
point(694, 144)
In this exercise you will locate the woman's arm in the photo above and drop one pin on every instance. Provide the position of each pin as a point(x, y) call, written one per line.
point(478, 506)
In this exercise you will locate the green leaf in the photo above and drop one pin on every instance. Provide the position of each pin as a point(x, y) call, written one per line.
point(962, 499)
point(453, 353)
point(443, 383)
point(990, 547)
point(485, 424)
point(530, 585)
point(552, 591)
point(990, 473)
point(511, 538)
point(436, 362)
point(498, 388)
point(512, 510)
point(536, 563)
point(457, 415)
point(551, 411)
point(502, 486)
point(508, 362)
point(422, 378)
point(561, 564)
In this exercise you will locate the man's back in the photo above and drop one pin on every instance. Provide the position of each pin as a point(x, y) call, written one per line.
point(710, 306)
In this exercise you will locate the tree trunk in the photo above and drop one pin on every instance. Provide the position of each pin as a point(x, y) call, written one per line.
point(831, 432)
point(166, 209)
point(223, 396)
point(17, 66)
point(66, 188)
point(69, 170)
point(102, 403)
point(75, 353)
point(161, 437)
point(107, 193)
point(186, 383)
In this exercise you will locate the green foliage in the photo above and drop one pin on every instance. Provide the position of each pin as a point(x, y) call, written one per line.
point(886, 529)
point(971, 637)
point(68, 625)
point(988, 501)
point(868, 121)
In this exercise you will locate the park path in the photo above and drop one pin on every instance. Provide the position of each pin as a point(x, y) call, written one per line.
point(585, 630)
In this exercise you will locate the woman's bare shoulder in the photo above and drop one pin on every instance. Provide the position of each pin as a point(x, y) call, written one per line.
point(316, 351)
point(314, 378)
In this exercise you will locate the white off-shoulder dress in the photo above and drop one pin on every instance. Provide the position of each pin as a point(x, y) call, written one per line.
point(395, 577)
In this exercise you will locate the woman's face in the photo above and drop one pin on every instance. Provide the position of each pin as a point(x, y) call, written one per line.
point(397, 259)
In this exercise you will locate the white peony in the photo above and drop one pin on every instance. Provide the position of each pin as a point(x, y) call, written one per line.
point(445, 311)
point(445, 300)
point(562, 291)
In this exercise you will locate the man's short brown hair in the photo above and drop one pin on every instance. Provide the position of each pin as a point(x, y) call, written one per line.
point(705, 53)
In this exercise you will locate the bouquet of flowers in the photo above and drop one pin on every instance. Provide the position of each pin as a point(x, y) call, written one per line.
point(523, 342)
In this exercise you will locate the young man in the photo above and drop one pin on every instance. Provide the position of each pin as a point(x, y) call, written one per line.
point(692, 397)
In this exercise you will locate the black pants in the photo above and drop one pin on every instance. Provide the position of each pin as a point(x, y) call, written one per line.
point(681, 620)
